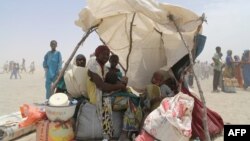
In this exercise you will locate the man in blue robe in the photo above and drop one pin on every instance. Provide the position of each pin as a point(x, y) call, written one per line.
point(52, 65)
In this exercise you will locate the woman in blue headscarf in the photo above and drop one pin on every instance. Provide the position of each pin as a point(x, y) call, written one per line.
point(246, 68)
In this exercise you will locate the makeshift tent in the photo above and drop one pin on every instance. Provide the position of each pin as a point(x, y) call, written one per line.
point(146, 35)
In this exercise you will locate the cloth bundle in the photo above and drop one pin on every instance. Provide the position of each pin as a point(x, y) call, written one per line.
point(9, 127)
point(171, 121)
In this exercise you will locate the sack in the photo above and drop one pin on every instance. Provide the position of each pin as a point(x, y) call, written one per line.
point(54, 131)
point(88, 125)
point(9, 127)
point(132, 118)
point(171, 121)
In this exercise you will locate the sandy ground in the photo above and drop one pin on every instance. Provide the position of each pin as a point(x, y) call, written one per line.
point(234, 108)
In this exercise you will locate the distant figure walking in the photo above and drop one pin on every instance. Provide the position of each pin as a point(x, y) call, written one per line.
point(11, 66)
point(23, 67)
point(32, 67)
point(52, 64)
point(18, 70)
point(217, 68)
point(15, 70)
point(5, 67)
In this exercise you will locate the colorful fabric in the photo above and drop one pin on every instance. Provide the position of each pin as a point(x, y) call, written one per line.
point(238, 74)
point(130, 103)
point(132, 117)
point(228, 72)
point(54, 131)
point(106, 117)
point(229, 68)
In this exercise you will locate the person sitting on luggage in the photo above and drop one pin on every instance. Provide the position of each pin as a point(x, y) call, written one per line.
point(97, 91)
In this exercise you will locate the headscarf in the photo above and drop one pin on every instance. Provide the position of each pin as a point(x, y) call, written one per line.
point(229, 52)
point(100, 49)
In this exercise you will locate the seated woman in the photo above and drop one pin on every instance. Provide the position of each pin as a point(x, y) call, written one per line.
point(98, 88)
point(74, 82)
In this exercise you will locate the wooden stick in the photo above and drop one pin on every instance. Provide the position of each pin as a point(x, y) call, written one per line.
point(53, 85)
point(130, 43)
point(204, 119)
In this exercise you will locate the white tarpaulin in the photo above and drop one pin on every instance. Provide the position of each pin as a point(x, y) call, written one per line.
point(156, 43)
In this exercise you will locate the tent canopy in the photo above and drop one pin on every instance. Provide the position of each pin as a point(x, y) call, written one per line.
point(156, 44)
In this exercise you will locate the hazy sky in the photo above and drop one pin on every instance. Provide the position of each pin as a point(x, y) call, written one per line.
point(27, 27)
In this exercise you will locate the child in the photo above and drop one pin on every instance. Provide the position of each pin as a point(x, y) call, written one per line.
point(157, 91)
point(114, 74)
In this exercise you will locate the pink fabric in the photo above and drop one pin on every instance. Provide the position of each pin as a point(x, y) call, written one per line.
point(144, 136)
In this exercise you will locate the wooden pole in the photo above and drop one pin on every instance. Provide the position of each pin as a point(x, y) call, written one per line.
point(204, 119)
point(130, 43)
point(53, 85)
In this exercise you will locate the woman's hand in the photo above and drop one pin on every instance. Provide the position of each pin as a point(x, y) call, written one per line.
point(122, 86)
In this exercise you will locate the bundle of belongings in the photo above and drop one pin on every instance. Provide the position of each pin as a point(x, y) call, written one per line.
point(171, 121)
point(59, 125)
point(229, 85)
point(10, 129)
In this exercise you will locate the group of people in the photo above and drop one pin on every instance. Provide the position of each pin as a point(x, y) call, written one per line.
point(14, 68)
point(231, 73)
point(203, 71)
point(106, 87)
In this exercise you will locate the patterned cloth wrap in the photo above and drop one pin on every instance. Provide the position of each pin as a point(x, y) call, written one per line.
point(106, 117)
point(171, 120)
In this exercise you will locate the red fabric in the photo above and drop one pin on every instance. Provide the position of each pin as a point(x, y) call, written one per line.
point(215, 122)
